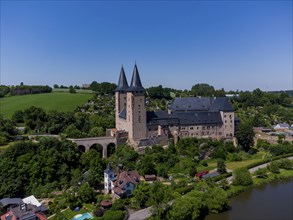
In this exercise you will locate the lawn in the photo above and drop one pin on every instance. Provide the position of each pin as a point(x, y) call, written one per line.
point(259, 156)
point(69, 214)
point(60, 101)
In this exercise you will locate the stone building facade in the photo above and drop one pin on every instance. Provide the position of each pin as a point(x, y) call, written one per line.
point(210, 117)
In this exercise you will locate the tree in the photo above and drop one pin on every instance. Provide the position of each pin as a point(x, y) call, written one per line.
point(86, 193)
point(96, 132)
point(71, 89)
point(202, 89)
point(146, 165)
point(242, 177)
point(142, 194)
point(35, 118)
point(245, 135)
point(274, 167)
point(18, 116)
point(160, 195)
point(221, 166)
point(56, 86)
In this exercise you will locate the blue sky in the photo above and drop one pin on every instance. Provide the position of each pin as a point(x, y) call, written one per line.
point(229, 44)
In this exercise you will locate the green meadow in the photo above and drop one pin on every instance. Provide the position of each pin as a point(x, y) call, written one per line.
point(60, 101)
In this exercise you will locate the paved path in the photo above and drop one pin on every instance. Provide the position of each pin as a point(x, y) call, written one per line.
point(254, 169)
point(141, 214)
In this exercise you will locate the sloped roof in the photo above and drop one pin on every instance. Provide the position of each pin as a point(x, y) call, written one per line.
point(221, 104)
point(210, 175)
point(122, 83)
point(125, 177)
point(10, 201)
point(161, 118)
point(199, 118)
point(201, 104)
point(135, 85)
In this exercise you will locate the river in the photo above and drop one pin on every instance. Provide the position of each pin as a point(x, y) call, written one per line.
point(272, 201)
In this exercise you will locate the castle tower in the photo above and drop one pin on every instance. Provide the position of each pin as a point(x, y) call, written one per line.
point(120, 101)
point(136, 110)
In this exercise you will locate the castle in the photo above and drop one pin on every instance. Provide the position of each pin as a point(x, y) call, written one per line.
point(209, 117)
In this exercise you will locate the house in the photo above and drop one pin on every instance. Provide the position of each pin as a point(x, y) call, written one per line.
point(24, 212)
point(150, 177)
point(122, 184)
point(210, 117)
point(28, 208)
point(201, 174)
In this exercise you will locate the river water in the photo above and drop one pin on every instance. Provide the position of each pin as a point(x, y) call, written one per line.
point(273, 201)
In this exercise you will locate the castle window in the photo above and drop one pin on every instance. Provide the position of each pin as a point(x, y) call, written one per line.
point(197, 128)
point(203, 127)
point(191, 128)
point(224, 116)
point(139, 119)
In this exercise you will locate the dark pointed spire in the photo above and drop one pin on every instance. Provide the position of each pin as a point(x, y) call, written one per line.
point(135, 85)
point(122, 83)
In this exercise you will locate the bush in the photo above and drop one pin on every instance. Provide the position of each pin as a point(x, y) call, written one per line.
point(285, 164)
point(234, 157)
point(204, 163)
point(274, 167)
point(114, 215)
point(262, 173)
point(242, 177)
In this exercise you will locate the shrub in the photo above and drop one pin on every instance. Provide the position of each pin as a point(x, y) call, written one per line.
point(204, 163)
point(261, 173)
point(242, 177)
point(274, 167)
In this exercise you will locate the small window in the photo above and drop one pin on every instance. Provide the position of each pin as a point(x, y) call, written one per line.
point(191, 128)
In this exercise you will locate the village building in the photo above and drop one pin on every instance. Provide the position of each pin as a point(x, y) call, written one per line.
point(28, 208)
point(209, 117)
point(120, 184)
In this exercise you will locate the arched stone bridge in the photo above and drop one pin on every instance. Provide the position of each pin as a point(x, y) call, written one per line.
point(105, 145)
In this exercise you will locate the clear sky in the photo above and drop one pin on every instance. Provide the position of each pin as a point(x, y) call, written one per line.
point(229, 44)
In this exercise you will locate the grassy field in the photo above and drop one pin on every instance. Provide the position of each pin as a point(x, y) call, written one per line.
point(60, 101)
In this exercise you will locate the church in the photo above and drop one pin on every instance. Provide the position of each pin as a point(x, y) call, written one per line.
point(203, 117)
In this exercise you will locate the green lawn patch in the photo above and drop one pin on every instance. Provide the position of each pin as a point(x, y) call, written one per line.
point(60, 101)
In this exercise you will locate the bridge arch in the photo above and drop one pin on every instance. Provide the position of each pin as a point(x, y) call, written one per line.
point(111, 147)
point(81, 148)
point(101, 144)
point(98, 147)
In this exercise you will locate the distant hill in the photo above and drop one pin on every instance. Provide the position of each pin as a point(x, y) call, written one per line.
point(60, 101)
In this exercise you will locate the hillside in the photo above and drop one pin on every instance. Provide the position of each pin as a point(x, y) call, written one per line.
point(60, 101)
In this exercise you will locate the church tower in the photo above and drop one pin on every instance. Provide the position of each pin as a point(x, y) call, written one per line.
point(121, 101)
point(136, 110)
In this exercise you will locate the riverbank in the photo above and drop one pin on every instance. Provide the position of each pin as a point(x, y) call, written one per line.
point(269, 201)
point(283, 175)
